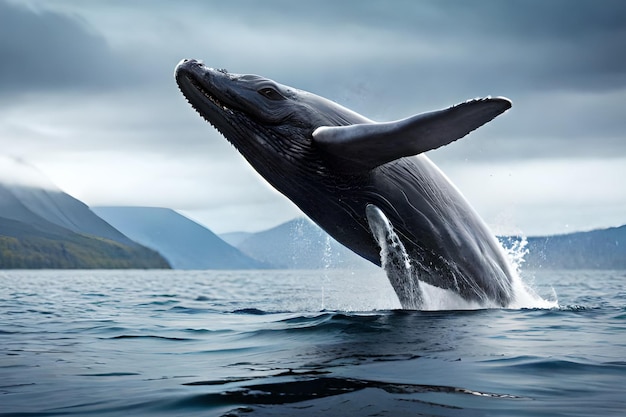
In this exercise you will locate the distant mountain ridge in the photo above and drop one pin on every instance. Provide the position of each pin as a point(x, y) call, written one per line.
point(183, 242)
point(300, 244)
point(58, 208)
point(596, 249)
point(235, 238)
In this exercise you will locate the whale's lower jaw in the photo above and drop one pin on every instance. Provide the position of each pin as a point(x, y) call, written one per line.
point(208, 106)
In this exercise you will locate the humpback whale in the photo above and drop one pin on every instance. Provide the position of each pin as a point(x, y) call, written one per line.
point(367, 184)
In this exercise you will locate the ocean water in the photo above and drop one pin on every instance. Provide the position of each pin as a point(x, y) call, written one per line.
point(303, 343)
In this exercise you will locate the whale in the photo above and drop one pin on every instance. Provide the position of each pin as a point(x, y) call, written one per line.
point(368, 184)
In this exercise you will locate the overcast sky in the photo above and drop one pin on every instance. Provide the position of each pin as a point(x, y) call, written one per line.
point(87, 95)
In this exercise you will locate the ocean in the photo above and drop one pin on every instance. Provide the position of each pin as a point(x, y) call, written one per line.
point(304, 343)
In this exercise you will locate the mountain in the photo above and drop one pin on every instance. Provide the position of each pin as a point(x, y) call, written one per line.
point(46, 228)
point(597, 249)
point(184, 243)
point(235, 238)
point(56, 207)
point(300, 244)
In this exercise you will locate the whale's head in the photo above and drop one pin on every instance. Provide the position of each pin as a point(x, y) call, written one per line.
point(263, 119)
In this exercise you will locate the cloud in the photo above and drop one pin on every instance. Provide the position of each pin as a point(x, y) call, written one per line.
point(544, 196)
point(225, 193)
point(550, 125)
point(16, 172)
point(97, 95)
point(533, 44)
point(47, 50)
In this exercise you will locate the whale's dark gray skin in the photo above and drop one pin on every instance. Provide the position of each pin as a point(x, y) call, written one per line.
point(333, 163)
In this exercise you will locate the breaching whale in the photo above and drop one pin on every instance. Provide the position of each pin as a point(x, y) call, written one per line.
point(367, 184)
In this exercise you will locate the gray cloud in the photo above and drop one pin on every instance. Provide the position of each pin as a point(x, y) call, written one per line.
point(45, 50)
point(527, 44)
point(560, 61)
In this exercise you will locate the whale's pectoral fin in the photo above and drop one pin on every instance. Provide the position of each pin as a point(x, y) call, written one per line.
point(394, 259)
point(366, 146)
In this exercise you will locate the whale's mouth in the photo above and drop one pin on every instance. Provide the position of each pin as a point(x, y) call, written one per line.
point(190, 76)
point(210, 97)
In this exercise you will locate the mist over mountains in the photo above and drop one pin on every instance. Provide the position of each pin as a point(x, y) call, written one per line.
point(43, 227)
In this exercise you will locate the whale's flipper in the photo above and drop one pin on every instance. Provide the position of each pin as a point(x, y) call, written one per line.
point(366, 146)
point(395, 260)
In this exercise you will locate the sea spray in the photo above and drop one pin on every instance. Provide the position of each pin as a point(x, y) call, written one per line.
point(524, 295)
point(328, 260)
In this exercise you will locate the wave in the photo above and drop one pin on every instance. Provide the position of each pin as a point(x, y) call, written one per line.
point(541, 365)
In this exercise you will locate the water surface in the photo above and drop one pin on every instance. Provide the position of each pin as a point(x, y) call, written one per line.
point(306, 343)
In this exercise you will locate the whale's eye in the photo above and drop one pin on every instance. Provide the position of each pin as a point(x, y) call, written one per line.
point(271, 94)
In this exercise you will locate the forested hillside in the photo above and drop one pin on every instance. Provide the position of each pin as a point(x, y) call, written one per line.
point(34, 247)
point(43, 227)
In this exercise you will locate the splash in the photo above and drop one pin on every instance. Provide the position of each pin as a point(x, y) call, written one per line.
point(524, 295)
